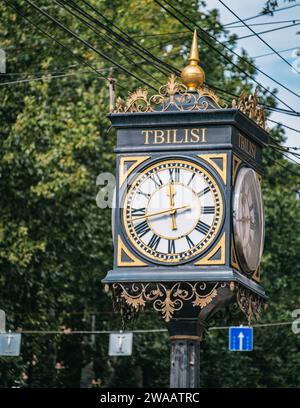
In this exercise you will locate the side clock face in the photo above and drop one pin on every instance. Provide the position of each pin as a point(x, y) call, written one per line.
point(172, 211)
point(248, 219)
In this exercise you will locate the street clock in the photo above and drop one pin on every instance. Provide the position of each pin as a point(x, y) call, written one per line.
point(188, 217)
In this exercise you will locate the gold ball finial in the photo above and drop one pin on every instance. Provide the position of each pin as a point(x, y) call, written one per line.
point(193, 75)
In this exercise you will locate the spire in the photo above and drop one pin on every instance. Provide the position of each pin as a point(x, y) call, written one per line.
point(193, 75)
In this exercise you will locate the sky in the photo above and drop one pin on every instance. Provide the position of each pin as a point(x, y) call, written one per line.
point(272, 64)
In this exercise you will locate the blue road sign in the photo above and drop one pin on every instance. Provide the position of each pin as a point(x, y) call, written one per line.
point(240, 338)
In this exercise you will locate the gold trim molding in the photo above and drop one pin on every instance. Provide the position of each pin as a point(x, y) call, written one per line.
point(206, 260)
point(234, 259)
point(123, 172)
point(210, 159)
point(236, 162)
point(134, 261)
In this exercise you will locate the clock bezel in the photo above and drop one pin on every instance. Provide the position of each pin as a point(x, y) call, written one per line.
point(238, 245)
point(145, 167)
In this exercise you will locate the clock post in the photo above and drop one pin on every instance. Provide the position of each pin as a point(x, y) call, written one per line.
point(188, 222)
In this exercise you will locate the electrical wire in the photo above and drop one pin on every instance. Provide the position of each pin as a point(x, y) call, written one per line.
point(86, 332)
point(265, 32)
point(271, 53)
point(267, 23)
point(108, 39)
point(263, 14)
point(230, 50)
point(22, 81)
point(57, 41)
point(86, 43)
point(130, 41)
point(116, 38)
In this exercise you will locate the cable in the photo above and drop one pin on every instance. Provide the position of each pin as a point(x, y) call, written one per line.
point(168, 66)
point(55, 40)
point(110, 40)
point(224, 56)
point(262, 14)
point(129, 39)
point(271, 53)
point(86, 43)
point(286, 126)
point(21, 81)
point(265, 32)
point(112, 32)
point(267, 23)
point(69, 331)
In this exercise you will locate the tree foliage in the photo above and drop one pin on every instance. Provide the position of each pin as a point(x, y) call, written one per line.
point(55, 243)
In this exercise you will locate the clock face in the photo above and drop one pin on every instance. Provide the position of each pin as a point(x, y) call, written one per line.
point(248, 219)
point(172, 211)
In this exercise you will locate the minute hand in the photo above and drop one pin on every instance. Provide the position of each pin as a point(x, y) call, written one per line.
point(169, 210)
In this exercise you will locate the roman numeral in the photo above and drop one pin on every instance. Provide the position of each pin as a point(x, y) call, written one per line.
point(189, 241)
point(142, 228)
point(154, 241)
point(203, 192)
point(156, 179)
point(171, 246)
point(138, 212)
point(208, 209)
point(144, 194)
point(191, 179)
point(174, 175)
point(202, 227)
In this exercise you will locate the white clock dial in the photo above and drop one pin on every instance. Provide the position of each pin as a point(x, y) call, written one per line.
point(248, 219)
point(172, 211)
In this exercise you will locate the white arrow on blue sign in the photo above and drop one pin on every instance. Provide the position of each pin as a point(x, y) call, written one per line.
point(240, 338)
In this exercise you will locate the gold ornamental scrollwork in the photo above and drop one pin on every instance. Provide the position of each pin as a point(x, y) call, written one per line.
point(249, 303)
point(248, 104)
point(171, 96)
point(130, 298)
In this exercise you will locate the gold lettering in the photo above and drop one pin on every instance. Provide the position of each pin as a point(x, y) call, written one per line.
point(186, 135)
point(168, 136)
point(195, 138)
point(158, 136)
point(147, 135)
point(247, 146)
point(175, 140)
point(203, 140)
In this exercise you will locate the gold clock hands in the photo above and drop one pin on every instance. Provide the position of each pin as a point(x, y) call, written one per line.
point(169, 210)
point(173, 212)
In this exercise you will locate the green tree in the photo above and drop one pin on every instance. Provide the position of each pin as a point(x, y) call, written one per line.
point(55, 243)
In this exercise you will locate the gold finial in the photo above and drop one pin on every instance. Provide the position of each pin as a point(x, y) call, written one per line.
point(193, 75)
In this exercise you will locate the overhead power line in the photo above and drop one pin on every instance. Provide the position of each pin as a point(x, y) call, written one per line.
point(267, 31)
point(268, 23)
point(142, 331)
point(106, 38)
point(263, 14)
point(55, 40)
point(271, 53)
point(230, 50)
point(86, 43)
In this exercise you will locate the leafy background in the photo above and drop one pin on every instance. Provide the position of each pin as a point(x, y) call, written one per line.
point(55, 243)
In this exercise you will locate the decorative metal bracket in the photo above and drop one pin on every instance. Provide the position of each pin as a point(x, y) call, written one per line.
point(169, 298)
